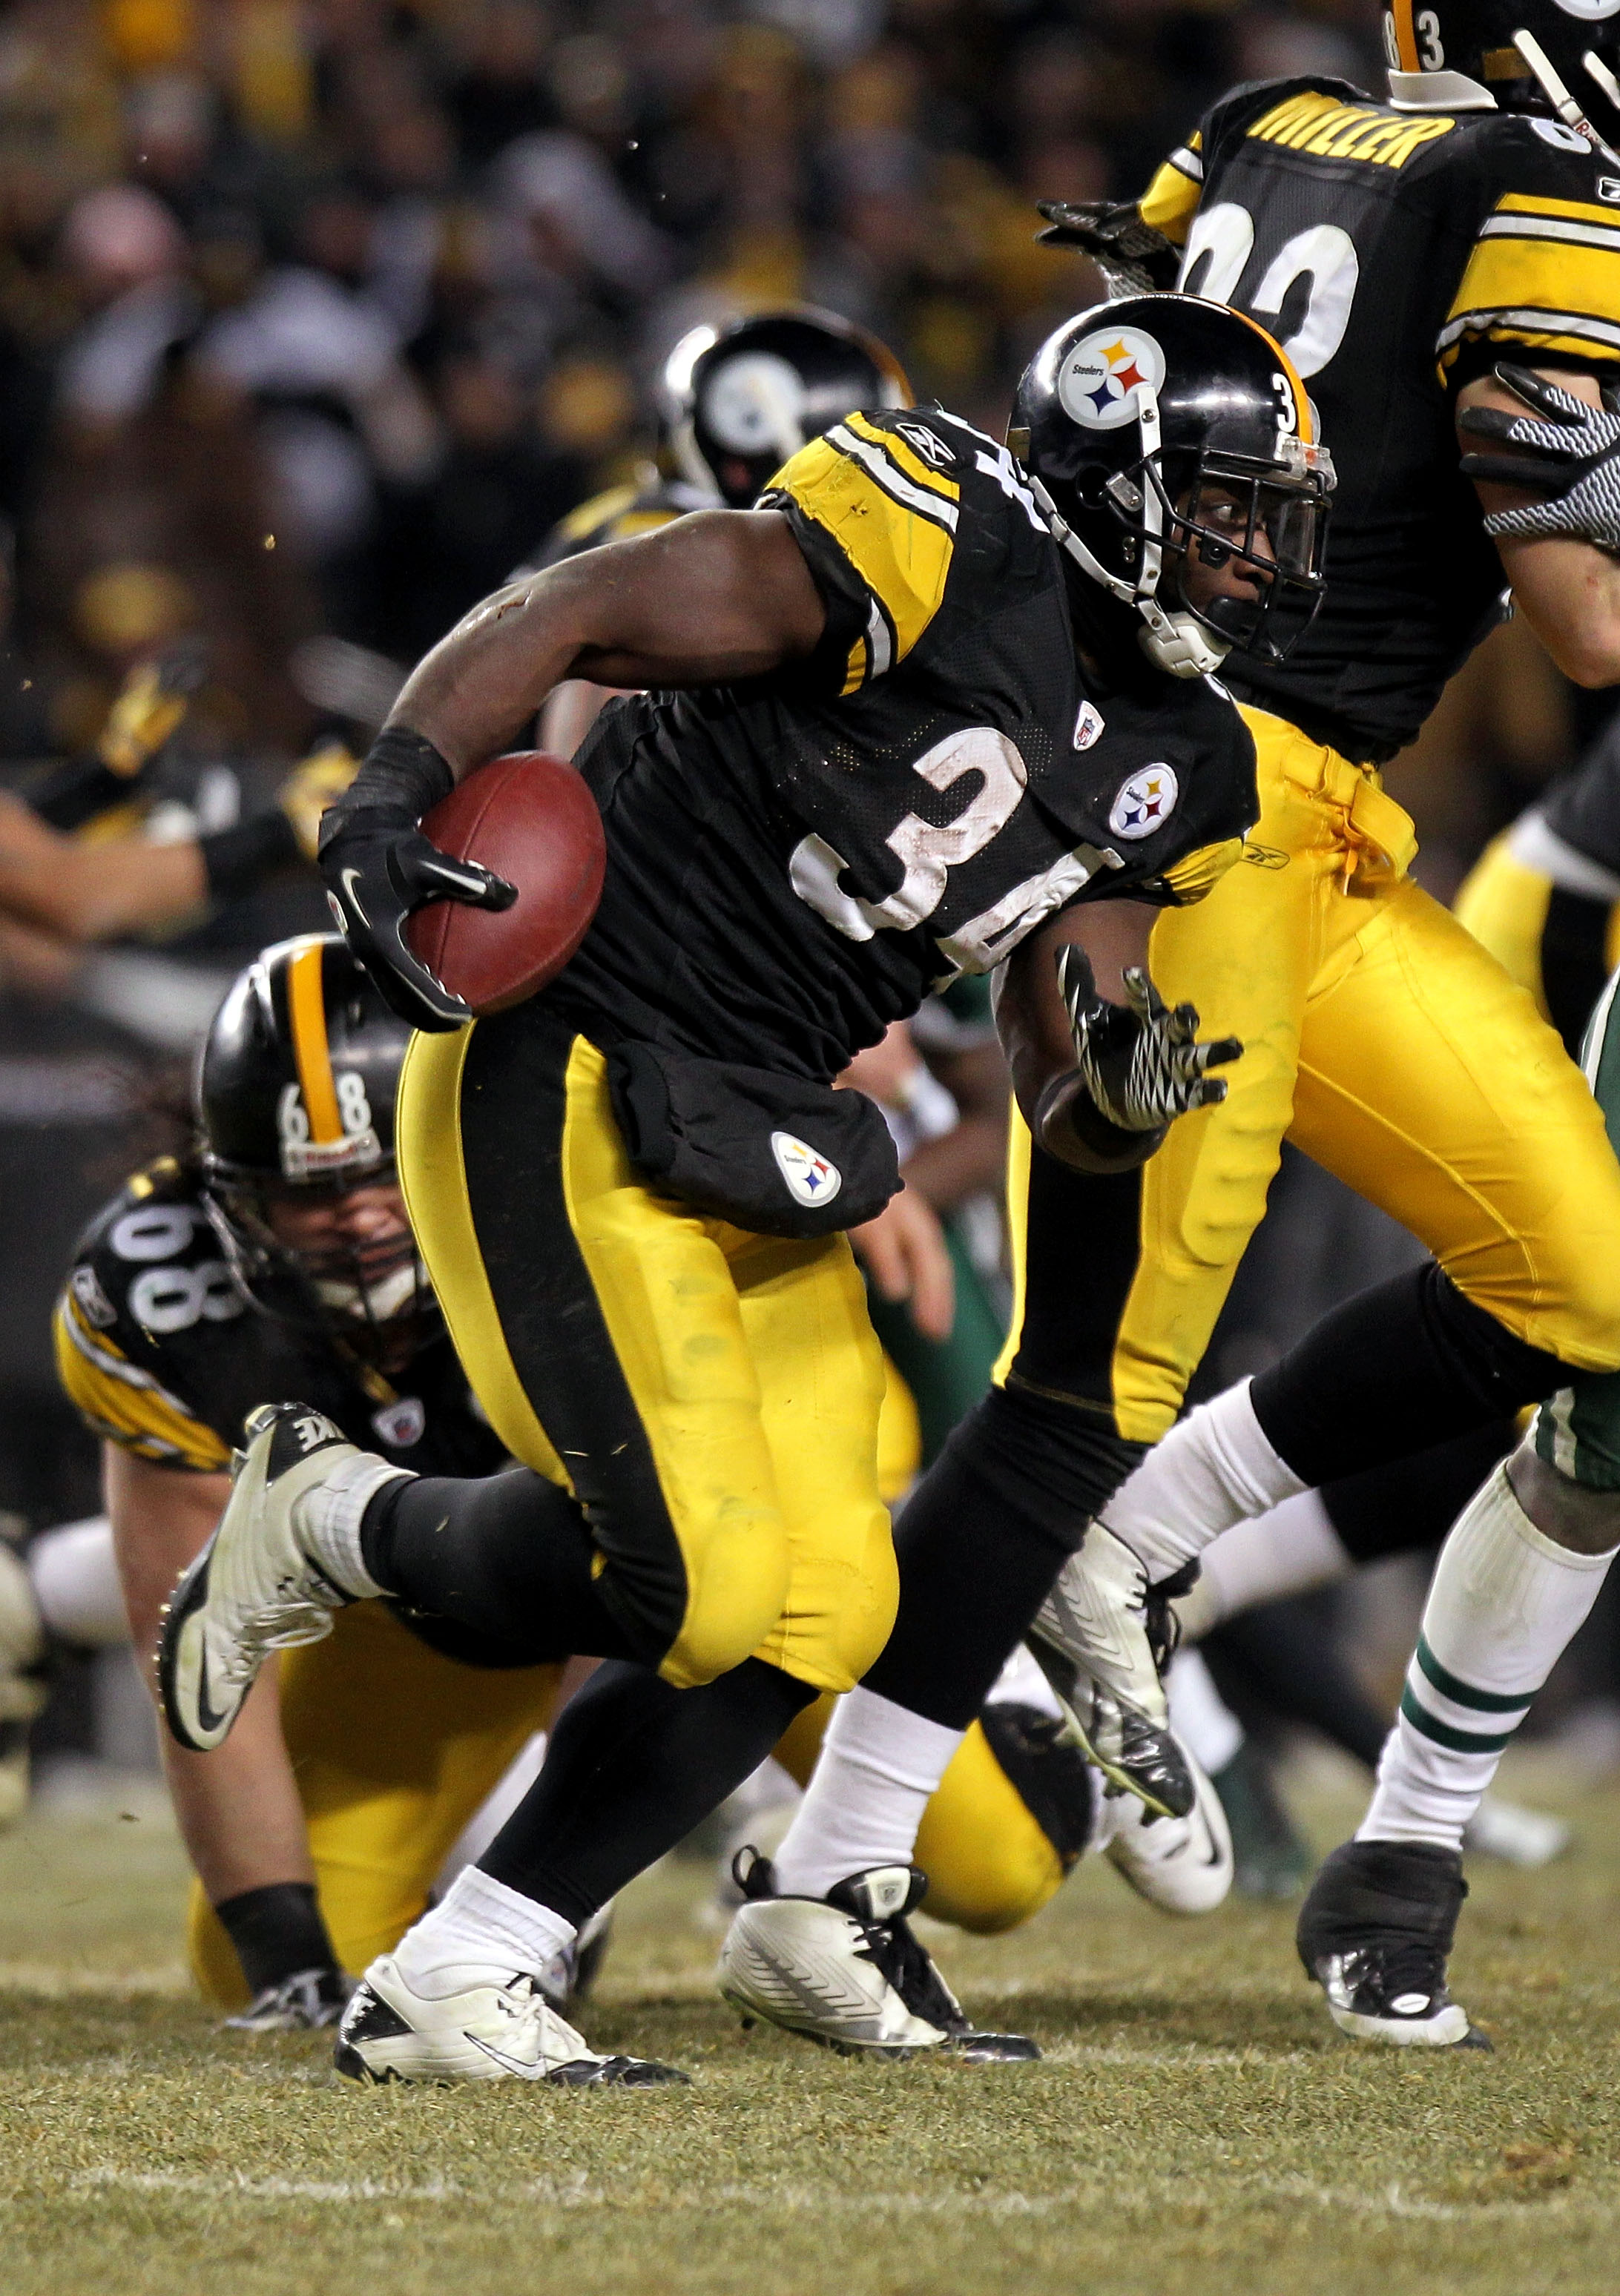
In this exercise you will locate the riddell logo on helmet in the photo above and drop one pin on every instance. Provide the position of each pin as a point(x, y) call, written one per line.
point(1101, 378)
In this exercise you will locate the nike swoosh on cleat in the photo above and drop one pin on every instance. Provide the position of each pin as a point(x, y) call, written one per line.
point(347, 879)
point(507, 2064)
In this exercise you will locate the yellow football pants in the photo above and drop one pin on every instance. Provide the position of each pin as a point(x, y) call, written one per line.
point(989, 1864)
point(1383, 1040)
point(711, 1396)
point(394, 1748)
point(1560, 947)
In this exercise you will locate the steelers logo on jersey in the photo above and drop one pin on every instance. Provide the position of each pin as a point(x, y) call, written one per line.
point(1145, 802)
point(1103, 375)
point(811, 1177)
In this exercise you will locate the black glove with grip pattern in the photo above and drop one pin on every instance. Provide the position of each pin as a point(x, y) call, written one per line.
point(1133, 256)
point(1571, 457)
point(1140, 1063)
point(379, 867)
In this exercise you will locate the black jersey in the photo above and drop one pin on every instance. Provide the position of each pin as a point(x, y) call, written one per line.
point(793, 864)
point(1394, 254)
point(165, 1357)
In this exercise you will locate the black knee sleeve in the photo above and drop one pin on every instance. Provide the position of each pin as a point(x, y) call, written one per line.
point(1407, 1365)
point(504, 1560)
point(980, 1542)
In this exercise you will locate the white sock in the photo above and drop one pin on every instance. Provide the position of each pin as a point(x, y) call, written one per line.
point(76, 1584)
point(1505, 1601)
point(480, 1932)
point(1199, 1715)
point(327, 1519)
point(879, 1767)
point(1212, 1469)
point(1288, 1550)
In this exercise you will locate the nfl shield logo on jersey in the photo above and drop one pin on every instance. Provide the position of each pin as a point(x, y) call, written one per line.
point(1147, 800)
point(401, 1424)
point(810, 1178)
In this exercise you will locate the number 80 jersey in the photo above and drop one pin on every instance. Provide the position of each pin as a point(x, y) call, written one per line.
point(1395, 254)
point(793, 864)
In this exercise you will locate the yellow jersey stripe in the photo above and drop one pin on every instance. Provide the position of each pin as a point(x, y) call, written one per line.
point(1170, 202)
point(1536, 203)
point(1526, 285)
point(1565, 230)
point(124, 1404)
point(893, 479)
point(901, 550)
point(306, 1012)
point(909, 463)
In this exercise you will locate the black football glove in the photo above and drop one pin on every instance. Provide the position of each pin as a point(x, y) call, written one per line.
point(1134, 258)
point(1140, 1063)
point(1571, 458)
point(379, 867)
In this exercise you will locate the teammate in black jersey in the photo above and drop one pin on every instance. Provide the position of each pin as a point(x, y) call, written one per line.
point(920, 727)
point(277, 1256)
point(1446, 270)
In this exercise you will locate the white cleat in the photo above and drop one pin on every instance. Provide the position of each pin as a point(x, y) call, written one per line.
point(1092, 1640)
point(480, 2032)
point(1181, 1864)
point(253, 1589)
point(846, 1970)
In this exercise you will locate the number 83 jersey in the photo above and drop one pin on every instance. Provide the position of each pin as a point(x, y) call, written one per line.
point(793, 864)
point(1395, 254)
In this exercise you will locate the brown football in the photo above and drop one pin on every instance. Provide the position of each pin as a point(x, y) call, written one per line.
point(531, 819)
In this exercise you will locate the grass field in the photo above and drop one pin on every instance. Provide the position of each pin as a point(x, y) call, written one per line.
point(1196, 2126)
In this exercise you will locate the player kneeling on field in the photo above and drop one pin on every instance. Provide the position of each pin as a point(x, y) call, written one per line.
point(275, 1254)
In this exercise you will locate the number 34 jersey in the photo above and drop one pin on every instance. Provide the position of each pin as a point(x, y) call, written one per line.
point(1395, 254)
point(793, 862)
point(165, 1357)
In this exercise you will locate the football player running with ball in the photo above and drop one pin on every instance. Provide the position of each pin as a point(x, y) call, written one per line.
point(1444, 271)
point(898, 726)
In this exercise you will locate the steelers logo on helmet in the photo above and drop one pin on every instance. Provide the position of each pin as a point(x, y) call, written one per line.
point(1103, 375)
point(1145, 802)
point(1590, 11)
point(755, 404)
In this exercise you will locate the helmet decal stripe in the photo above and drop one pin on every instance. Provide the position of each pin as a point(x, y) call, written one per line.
point(307, 1015)
point(1302, 399)
point(1401, 15)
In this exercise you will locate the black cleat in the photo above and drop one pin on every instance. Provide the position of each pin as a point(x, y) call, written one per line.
point(1375, 1931)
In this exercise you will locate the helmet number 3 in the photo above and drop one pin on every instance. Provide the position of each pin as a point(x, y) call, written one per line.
point(1303, 298)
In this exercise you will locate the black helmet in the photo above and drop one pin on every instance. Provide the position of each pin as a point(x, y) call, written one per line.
point(295, 1093)
point(738, 402)
point(1559, 58)
point(1159, 424)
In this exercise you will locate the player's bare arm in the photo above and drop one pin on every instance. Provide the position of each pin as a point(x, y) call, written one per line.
point(92, 892)
point(719, 596)
point(1039, 1035)
point(239, 1813)
point(1568, 589)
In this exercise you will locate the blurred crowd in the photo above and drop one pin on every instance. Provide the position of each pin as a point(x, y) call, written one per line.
point(316, 315)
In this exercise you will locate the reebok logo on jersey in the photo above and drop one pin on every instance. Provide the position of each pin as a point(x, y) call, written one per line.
point(1145, 802)
point(931, 449)
point(93, 1302)
point(1087, 726)
point(401, 1425)
point(810, 1178)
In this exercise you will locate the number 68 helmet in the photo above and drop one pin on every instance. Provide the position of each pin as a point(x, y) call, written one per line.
point(295, 1093)
point(1160, 427)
